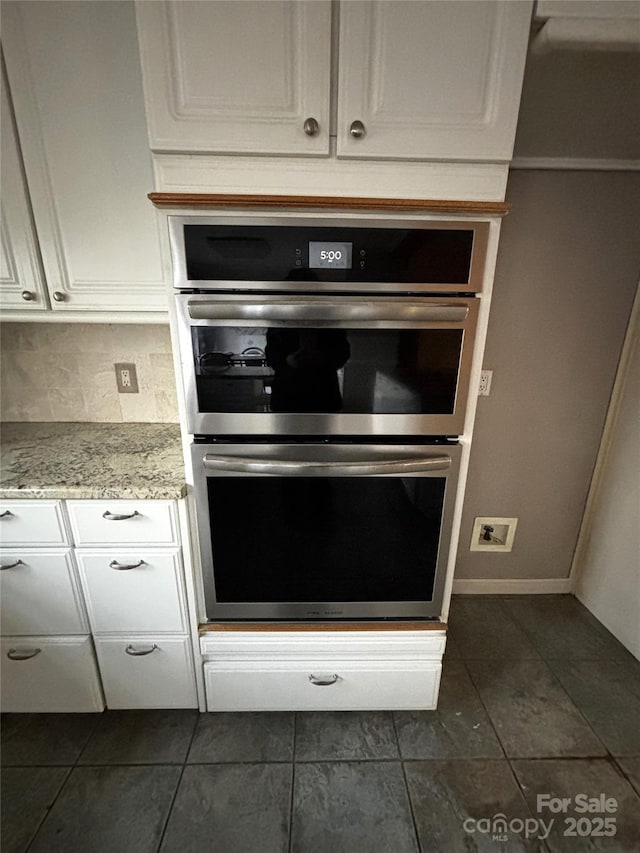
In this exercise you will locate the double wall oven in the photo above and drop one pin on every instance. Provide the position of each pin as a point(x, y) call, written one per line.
point(326, 369)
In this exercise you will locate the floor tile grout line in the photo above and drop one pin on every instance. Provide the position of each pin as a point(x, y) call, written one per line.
point(625, 775)
point(71, 767)
point(523, 795)
point(293, 780)
point(175, 793)
point(353, 760)
point(486, 710)
point(406, 784)
point(48, 811)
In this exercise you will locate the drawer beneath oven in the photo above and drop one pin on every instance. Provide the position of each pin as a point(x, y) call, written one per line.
point(322, 685)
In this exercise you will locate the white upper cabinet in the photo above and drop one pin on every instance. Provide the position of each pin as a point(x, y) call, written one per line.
point(431, 80)
point(21, 281)
point(421, 80)
point(74, 75)
point(237, 77)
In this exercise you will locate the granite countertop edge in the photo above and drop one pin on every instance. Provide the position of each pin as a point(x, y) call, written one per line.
point(91, 461)
point(88, 493)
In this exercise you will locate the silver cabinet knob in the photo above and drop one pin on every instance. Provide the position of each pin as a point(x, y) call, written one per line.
point(58, 296)
point(357, 129)
point(28, 296)
point(311, 126)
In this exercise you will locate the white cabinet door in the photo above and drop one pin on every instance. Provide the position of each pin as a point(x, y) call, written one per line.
point(32, 523)
point(75, 80)
point(40, 593)
point(49, 675)
point(147, 672)
point(236, 77)
point(129, 591)
point(22, 283)
point(431, 80)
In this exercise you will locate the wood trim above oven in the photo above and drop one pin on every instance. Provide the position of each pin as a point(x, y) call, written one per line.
point(322, 626)
point(397, 205)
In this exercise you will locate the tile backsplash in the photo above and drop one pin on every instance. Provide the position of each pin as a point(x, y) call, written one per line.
point(65, 372)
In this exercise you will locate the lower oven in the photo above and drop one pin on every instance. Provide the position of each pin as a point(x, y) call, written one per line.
point(324, 529)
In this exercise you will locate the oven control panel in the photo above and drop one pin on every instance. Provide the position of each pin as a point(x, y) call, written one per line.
point(440, 254)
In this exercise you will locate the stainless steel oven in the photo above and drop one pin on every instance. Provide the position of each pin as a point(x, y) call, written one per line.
point(332, 530)
point(326, 367)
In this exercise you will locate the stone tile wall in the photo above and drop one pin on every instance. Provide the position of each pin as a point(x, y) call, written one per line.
point(65, 372)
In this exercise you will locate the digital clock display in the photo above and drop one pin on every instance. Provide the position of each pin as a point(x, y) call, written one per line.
point(330, 256)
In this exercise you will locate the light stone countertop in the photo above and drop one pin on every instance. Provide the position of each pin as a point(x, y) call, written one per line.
point(91, 461)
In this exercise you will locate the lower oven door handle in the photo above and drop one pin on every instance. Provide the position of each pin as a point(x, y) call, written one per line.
point(319, 309)
point(282, 467)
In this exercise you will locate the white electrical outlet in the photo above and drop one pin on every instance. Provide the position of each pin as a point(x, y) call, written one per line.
point(126, 378)
point(493, 534)
point(485, 383)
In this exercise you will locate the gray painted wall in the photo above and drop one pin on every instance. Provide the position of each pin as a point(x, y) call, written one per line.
point(567, 271)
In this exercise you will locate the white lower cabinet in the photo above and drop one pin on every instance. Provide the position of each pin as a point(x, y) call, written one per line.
point(123, 587)
point(52, 674)
point(327, 670)
point(322, 685)
point(147, 672)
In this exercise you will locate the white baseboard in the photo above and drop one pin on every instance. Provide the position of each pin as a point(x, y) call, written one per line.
point(513, 586)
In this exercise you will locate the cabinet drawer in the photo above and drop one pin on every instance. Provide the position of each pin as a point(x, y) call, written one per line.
point(162, 678)
point(60, 677)
point(123, 522)
point(360, 685)
point(32, 523)
point(40, 593)
point(134, 591)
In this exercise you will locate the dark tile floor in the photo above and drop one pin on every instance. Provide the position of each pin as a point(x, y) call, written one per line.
point(537, 698)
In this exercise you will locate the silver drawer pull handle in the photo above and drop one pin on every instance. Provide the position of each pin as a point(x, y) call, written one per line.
point(323, 680)
point(136, 653)
point(116, 516)
point(22, 654)
point(6, 566)
point(6, 514)
point(124, 567)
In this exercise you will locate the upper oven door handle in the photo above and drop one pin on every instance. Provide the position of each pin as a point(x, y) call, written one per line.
point(315, 468)
point(326, 310)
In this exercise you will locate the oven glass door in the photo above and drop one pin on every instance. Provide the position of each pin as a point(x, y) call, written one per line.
point(317, 531)
point(356, 366)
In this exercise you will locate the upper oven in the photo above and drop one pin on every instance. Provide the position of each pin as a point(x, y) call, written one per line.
point(276, 365)
point(304, 326)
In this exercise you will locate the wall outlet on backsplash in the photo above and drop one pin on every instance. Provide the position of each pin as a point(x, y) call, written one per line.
point(126, 378)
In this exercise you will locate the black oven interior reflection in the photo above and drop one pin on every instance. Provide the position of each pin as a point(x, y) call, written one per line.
point(326, 539)
point(365, 371)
